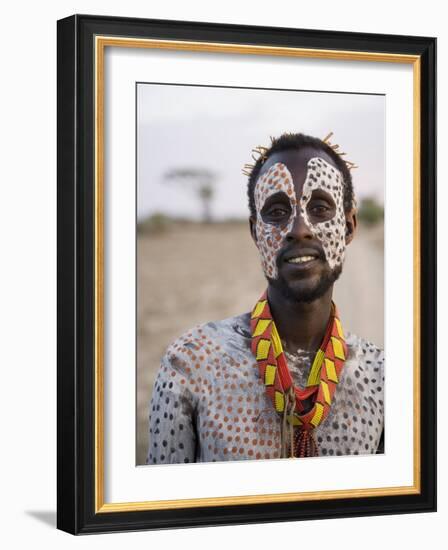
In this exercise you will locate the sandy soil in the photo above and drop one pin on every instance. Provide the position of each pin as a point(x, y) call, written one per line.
point(193, 273)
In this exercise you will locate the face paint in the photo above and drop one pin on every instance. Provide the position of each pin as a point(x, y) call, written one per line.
point(331, 233)
point(270, 237)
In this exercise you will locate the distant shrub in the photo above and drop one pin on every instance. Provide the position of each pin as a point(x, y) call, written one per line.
point(370, 211)
point(156, 223)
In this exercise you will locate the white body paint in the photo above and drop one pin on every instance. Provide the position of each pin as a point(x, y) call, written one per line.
point(322, 175)
point(270, 238)
point(331, 233)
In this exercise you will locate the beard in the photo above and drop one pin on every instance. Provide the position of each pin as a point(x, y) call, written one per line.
point(309, 293)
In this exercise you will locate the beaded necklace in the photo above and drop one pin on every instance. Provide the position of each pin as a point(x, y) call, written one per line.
point(288, 399)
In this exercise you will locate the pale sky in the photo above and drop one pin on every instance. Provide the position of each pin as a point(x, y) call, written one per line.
point(216, 129)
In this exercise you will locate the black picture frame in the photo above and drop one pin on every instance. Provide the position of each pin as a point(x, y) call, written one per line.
point(77, 475)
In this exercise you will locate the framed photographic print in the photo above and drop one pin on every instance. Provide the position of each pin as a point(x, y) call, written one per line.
point(246, 274)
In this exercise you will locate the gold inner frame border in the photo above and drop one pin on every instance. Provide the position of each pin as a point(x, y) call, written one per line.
point(100, 44)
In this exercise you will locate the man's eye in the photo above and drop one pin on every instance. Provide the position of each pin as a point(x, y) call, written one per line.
point(278, 212)
point(319, 209)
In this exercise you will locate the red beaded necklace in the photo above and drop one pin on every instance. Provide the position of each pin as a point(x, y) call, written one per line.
point(288, 399)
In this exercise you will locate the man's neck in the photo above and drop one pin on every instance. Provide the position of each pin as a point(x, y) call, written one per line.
point(300, 325)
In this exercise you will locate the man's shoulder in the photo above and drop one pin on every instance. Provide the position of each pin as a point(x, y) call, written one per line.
point(238, 324)
point(234, 329)
point(362, 345)
point(362, 350)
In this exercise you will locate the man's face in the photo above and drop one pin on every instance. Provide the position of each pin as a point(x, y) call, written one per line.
point(301, 229)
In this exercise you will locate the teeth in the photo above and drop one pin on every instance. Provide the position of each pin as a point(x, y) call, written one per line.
point(300, 259)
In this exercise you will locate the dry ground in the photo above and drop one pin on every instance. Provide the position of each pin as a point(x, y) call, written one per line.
point(193, 273)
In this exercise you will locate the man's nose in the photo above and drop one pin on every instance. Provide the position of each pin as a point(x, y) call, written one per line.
point(299, 230)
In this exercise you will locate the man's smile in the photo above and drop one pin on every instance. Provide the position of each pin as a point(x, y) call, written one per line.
point(301, 259)
point(301, 255)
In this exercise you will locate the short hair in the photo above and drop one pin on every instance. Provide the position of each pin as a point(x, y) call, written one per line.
point(290, 141)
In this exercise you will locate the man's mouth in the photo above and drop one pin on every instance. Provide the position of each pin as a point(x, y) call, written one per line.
point(300, 259)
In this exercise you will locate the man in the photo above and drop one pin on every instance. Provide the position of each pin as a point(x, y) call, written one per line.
point(282, 380)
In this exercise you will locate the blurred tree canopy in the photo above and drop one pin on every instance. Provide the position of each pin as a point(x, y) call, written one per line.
point(198, 180)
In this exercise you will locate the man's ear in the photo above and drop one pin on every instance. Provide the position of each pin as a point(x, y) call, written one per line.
point(253, 230)
point(351, 223)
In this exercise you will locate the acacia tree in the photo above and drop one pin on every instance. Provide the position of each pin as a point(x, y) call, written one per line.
point(198, 180)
